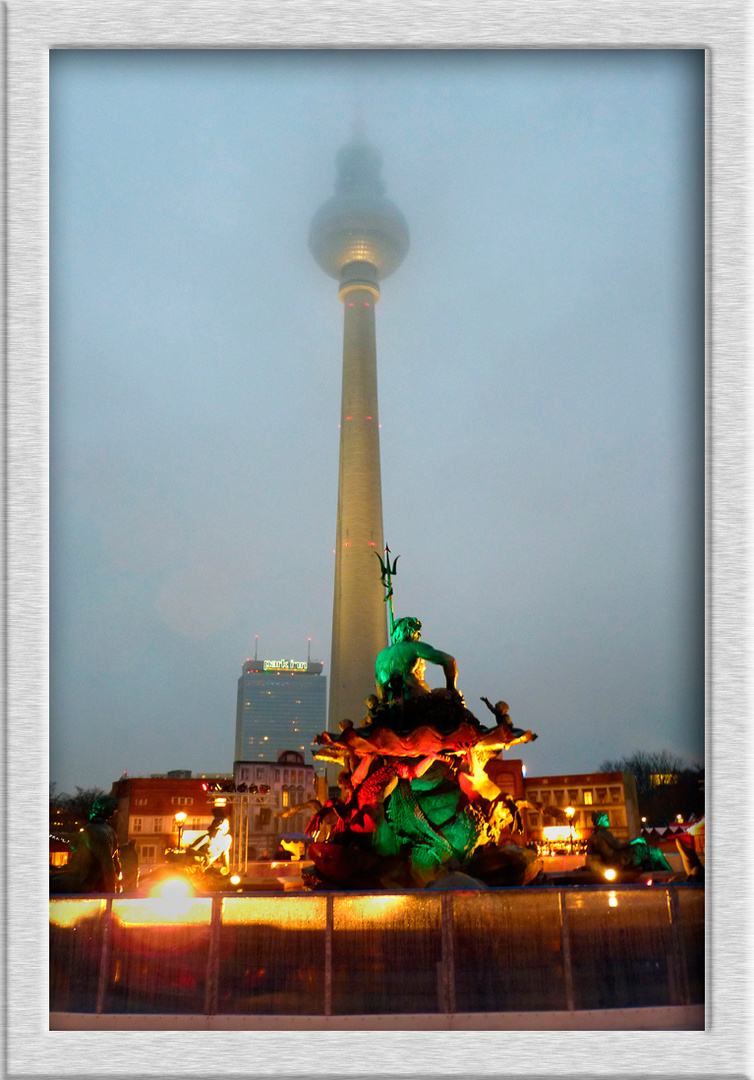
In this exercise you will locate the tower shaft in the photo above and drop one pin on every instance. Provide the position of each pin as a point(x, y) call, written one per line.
point(359, 626)
point(358, 237)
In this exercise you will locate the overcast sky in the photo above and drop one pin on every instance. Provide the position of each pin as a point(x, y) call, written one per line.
point(540, 364)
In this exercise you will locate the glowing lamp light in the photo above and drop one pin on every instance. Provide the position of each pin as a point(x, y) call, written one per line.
point(235, 880)
point(610, 874)
point(180, 817)
point(649, 881)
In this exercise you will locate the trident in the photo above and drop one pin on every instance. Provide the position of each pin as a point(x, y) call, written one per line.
point(387, 574)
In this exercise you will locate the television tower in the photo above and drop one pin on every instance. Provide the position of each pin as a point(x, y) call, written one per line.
point(358, 237)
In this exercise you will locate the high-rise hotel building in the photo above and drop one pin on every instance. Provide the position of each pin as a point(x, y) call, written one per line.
point(282, 705)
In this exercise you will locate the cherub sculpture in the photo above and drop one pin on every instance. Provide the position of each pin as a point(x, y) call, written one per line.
point(505, 724)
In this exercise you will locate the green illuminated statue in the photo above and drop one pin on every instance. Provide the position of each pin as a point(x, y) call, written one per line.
point(399, 669)
point(605, 852)
point(93, 866)
point(419, 801)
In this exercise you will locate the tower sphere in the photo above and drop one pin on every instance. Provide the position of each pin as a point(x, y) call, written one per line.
point(358, 224)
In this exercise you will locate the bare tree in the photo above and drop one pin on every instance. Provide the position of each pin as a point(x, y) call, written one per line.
point(77, 806)
point(666, 785)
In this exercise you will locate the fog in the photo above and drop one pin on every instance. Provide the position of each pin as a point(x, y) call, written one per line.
point(540, 364)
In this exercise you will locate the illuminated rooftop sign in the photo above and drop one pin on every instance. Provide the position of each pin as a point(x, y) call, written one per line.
point(286, 665)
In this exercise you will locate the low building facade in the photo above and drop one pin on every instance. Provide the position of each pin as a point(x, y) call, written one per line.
point(286, 782)
point(613, 793)
point(147, 808)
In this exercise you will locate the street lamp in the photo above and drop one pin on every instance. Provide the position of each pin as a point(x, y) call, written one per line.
point(180, 817)
point(569, 810)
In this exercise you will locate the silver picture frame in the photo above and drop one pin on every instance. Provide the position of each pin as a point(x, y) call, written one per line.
point(30, 29)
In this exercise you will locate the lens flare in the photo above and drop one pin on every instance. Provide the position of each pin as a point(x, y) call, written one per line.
point(175, 888)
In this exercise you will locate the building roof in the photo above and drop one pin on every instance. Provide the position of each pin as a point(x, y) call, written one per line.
point(577, 778)
point(283, 667)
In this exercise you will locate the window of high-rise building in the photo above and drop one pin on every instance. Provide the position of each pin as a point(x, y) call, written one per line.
point(286, 711)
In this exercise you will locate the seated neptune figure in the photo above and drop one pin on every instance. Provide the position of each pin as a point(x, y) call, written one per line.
point(399, 669)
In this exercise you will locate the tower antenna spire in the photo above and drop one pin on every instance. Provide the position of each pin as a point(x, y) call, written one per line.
point(256, 645)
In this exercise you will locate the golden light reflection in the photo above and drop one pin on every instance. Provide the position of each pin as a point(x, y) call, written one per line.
point(72, 912)
point(164, 911)
point(296, 912)
point(612, 899)
point(373, 911)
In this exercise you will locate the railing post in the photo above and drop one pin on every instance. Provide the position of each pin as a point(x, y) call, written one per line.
point(565, 950)
point(104, 959)
point(447, 979)
point(678, 976)
point(213, 957)
point(328, 953)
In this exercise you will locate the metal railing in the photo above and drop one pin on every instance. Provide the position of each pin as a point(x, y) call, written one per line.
point(339, 954)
